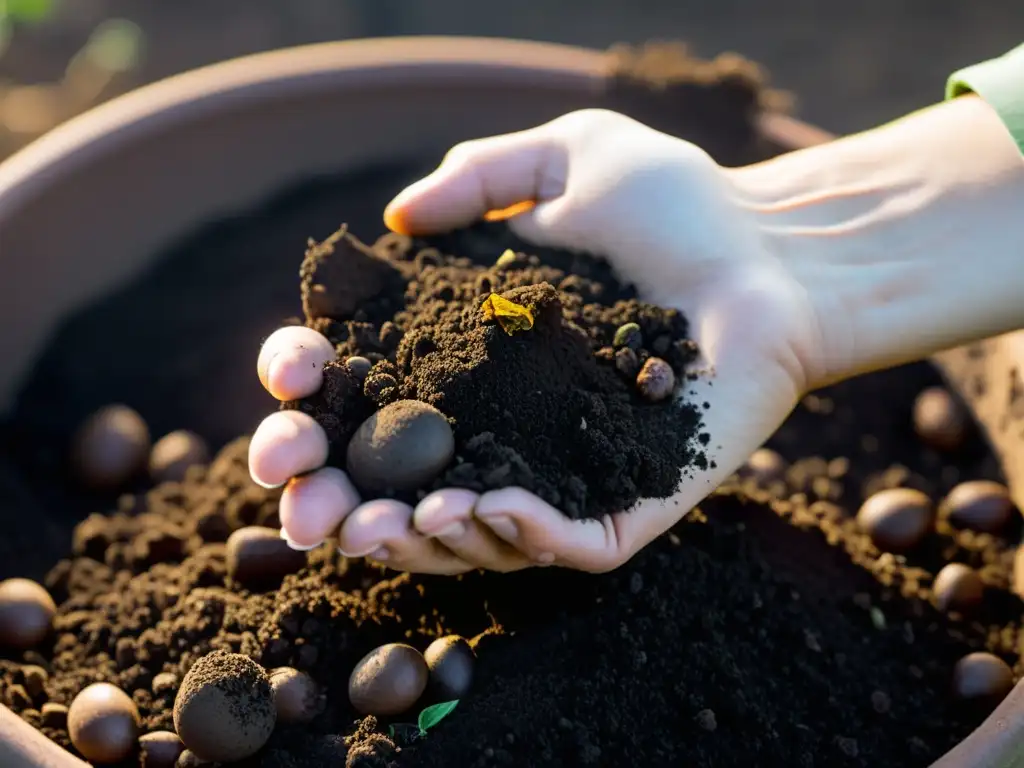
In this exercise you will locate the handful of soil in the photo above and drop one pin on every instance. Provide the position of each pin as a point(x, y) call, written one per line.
point(552, 375)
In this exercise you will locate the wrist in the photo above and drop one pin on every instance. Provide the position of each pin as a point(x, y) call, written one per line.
point(907, 239)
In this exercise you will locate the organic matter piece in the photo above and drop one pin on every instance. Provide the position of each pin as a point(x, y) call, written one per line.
point(511, 317)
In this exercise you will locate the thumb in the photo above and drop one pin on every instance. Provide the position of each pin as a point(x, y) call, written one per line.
point(481, 176)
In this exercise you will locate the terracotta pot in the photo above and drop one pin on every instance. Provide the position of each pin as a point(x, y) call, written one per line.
point(87, 207)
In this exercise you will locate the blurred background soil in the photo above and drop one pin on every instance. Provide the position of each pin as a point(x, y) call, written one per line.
point(851, 64)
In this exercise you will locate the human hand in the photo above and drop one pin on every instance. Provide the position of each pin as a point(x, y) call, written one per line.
point(671, 221)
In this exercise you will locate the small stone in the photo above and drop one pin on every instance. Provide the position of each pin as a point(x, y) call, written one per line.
point(103, 723)
point(958, 588)
point(401, 447)
point(359, 366)
point(981, 505)
point(189, 759)
point(896, 519)
point(26, 613)
point(982, 676)
point(224, 710)
point(627, 363)
point(54, 715)
point(656, 380)
point(629, 335)
point(296, 695)
point(174, 453)
point(160, 749)
point(765, 466)
point(110, 448)
point(706, 719)
point(388, 680)
point(450, 661)
point(847, 746)
point(259, 557)
point(940, 420)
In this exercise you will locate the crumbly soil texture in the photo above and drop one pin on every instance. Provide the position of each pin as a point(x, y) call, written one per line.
point(762, 629)
point(554, 408)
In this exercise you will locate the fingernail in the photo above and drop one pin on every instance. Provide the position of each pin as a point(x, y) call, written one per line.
point(546, 558)
point(298, 547)
point(503, 527)
point(360, 553)
point(452, 531)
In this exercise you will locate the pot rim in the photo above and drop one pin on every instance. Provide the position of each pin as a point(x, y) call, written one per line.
point(103, 130)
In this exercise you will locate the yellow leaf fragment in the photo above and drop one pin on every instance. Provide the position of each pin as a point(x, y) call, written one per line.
point(510, 316)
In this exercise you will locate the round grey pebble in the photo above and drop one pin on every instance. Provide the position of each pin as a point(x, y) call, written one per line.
point(401, 447)
point(296, 695)
point(160, 749)
point(450, 661)
point(110, 447)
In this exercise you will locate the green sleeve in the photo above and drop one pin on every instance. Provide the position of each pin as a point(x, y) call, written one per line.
point(1000, 82)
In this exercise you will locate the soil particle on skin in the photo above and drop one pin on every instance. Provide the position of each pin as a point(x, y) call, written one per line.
point(547, 408)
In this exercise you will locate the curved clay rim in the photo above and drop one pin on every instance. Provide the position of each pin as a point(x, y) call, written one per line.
point(126, 154)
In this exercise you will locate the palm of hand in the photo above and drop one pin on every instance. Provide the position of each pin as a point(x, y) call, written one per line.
point(664, 214)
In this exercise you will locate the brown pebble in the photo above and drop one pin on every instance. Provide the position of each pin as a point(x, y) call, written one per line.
point(26, 613)
point(656, 380)
point(103, 723)
point(296, 695)
point(54, 715)
point(110, 448)
point(401, 447)
point(450, 661)
point(224, 710)
point(388, 680)
point(359, 366)
point(958, 587)
point(258, 556)
point(896, 519)
point(982, 676)
point(981, 505)
point(940, 420)
point(174, 453)
point(160, 749)
point(765, 466)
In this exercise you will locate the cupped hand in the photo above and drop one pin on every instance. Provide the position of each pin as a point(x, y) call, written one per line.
point(671, 221)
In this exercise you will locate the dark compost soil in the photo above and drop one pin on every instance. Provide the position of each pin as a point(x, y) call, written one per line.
point(549, 409)
point(763, 629)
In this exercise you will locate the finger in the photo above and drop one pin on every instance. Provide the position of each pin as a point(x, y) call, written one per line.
point(382, 530)
point(291, 361)
point(286, 444)
point(545, 535)
point(447, 515)
point(481, 176)
point(314, 505)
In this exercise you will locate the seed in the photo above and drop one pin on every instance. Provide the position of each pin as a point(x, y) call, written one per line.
point(160, 749)
point(258, 556)
point(896, 519)
point(26, 613)
point(958, 588)
point(450, 661)
point(388, 680)
point(359, 366)
point(982, 676)
point(110, 448)
point(940, 420)
point(174, 453)
point(628, 335)
point(982, 505)
point(103, 723)
point(295, 695)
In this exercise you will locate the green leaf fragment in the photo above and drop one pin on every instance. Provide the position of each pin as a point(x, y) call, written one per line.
point(433, 715)
point(32, 11)
point(877, 617)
